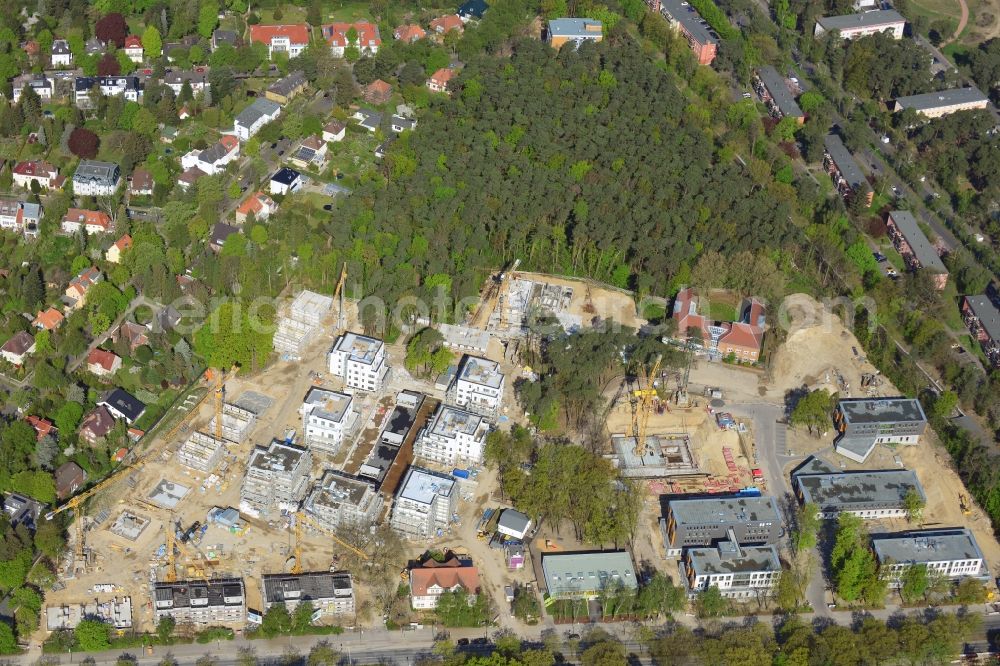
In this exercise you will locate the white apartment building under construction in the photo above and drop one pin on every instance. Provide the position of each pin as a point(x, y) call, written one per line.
point(478, 386)
point(337, 500)
point(453, 436)
point(327, 418)
point(202, 452)
point(424, 504)
point(360, 361)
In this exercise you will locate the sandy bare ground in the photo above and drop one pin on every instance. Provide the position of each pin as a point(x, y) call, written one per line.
point(590, 300)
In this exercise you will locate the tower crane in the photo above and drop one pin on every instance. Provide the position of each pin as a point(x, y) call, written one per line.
point(170, 545)
point(303, 517)
point(339, 293)
point(643, 401)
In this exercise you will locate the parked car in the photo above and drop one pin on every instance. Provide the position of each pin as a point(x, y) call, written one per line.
point(878, 256)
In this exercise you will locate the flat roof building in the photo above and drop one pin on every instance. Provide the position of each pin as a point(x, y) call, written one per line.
point(918, 252)
point(277, 476)
point(982, 317)
point(867, 494)
point(424, 504)
point(705, 521)
point(739, 572)
point(864, 422)
point(453, 436)
point(478, 386)
point(773, 90)
point(359, 360)
point(575, 30)
point(850, 26)
point(220, 600)
point(338, 499)
point(331, 593)
point(202, 452)
point(944, 102)
point(586, 575)
point(951, 553)
point(327, 418)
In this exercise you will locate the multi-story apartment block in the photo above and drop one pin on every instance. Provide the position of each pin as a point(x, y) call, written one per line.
point(982, 318)
point(702, 39)
point(918, 252)
point(950, 553)
point(852, 26)
point(359, 360)
point(478, 386)
point(277, 477)
point(705, 521)
point(96, 179)
point(367, 42)
point(337, 500)
point(739, 572)
point(453, 436)
point(773, 90)
point(424, 504)
point(327, 416)
point(944, 102)
point(864, 422)
point(846, 174)
point(291, 39)
point(216, 601)
point(330, 593)
point(869, 494)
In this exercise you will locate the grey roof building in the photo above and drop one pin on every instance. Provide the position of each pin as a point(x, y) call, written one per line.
point(577, 30)
point(693, 24)
point(123, 405)
point(864, 422)
point(329, 592)
point(912, 243)
point(934, 104)
point(739, 572)
point(774, 90)
point(586, 574)
point(865, 23)
point(844, 162)
point(951, 553)
point(276, 477)
point(867, 494)
point(94, 177)
point(338, 499)
point(255, 116)
point(513, 523)
point(286, 87)
point(705, 521)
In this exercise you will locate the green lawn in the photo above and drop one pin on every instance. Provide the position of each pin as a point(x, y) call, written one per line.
point(937, 10)
point(348, 10)
point(289, 14)
point(721, 311)
point(895, 258)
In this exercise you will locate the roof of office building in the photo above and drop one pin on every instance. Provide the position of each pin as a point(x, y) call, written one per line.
point(724, 510)
point(868, 487)
point(564, 571)
point(730, 558)
point(868, 19)
point(422, 485)
point(942, 98)
point(925, 546)
point(306, 586)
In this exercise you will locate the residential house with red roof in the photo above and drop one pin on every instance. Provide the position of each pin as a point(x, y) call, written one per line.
point(76, 292)
point(103, 363)
point(48, 320)
point(96, 425)
point(377, 92)
point(291, 39)
point(114, 253)
point(43, 427)
point(409, 33)
point(334, 131)
point(368, 40)
point(258, 203)
point(46, 175)
point(439, 80)
point(445, 24)
point(431, 579)
point(93, 221)
point(741, 339)
point(70, 477)
point(134, 50)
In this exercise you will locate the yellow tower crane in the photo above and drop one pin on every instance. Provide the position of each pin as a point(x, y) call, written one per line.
point(302, 517)
point(339, 293)
point(168, 526)
point(643, 400)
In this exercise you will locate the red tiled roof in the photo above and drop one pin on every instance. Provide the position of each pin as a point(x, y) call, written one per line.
point(124, 243)
point(88, 217)
point(48, 319)
point(142, 179)
point(133, 42)
point(104, 359)
point(335, 34)
point(443, 76)
point(447, 23)
point(446, 574)
point(297, 33)
point(230, 142)
point(36, 168)
point(378, 86)
point(42, 426)
point(410, 32)
point(334, 127)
